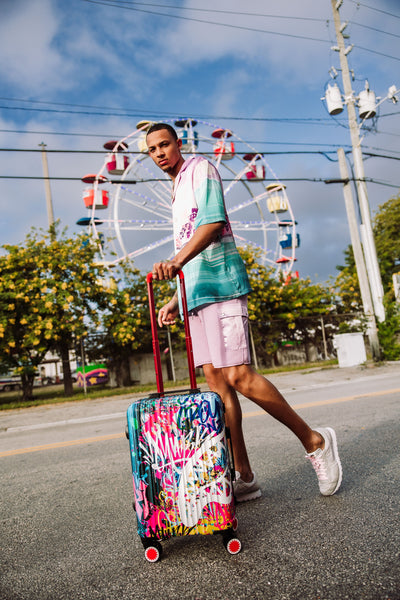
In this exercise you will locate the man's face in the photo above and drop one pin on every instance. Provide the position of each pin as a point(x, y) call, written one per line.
point(165, 151)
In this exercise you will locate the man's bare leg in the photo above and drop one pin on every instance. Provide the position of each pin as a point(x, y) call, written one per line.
point(261, 391)
point(233, 419)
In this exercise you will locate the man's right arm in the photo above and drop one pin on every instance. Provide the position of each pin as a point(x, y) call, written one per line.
point(201, 239)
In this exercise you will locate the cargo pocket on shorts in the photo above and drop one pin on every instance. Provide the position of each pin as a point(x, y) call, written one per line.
point(233, 321)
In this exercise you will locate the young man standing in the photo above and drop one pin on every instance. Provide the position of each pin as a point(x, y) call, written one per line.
point(217, 286)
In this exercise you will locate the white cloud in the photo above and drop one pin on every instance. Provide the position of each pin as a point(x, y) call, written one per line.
point(28, 59)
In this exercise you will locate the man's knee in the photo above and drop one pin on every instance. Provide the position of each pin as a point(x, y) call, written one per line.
point(235, 376)
point(242, 378)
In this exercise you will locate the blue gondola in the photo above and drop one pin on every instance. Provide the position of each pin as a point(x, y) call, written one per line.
point(85, 221)
point(287, 241)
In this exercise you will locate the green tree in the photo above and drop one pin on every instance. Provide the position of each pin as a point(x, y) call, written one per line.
point(387, 239)
point(347, 285)
point(125, 326)
point(386, 226)
point(49, 293)
point(284, 310)
point(389, 330)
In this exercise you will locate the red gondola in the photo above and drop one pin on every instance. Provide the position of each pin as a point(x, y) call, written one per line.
point(100, 199)
point(222, 147)
point(255, 172)
point(116, 161)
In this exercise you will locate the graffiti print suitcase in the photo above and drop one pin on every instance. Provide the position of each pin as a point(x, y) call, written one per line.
point(180, 458)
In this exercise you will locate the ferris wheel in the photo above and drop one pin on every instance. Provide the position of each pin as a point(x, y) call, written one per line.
point(135, 197)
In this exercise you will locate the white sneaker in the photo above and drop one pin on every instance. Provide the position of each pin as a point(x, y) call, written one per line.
point(245, 491)
point(326, 463)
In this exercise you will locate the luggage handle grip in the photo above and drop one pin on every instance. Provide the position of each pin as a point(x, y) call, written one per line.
point(154, 333)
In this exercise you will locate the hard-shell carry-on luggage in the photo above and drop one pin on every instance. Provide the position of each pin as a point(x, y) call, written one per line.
point(181, 463)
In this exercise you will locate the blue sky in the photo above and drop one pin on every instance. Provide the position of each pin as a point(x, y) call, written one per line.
point(261, 72)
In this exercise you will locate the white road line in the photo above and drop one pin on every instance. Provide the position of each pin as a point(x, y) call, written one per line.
point(67, 422)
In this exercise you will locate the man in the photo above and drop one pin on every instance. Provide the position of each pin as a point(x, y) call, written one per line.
point(217, 286)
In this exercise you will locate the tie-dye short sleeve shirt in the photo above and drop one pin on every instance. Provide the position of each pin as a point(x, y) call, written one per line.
point(218, 273)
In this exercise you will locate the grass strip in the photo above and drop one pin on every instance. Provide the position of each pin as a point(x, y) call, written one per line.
point(55, 394)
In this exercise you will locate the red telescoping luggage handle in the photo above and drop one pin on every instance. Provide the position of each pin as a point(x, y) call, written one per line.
point(154, 333)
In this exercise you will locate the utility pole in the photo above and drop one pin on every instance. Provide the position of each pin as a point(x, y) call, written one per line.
point(49, 203)
point(367, 236)
point(362, 275)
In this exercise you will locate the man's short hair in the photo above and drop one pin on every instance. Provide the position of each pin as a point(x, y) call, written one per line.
point(159, 126)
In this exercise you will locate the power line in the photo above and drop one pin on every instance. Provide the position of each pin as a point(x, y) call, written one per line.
point(132, 4)
point(119, 136)
point(25, 131)
point(133, 181)
point(64, 151)
point(393, 114)
point(138, 112)
point(213, 10)
point(252, 142)
point(229, 25)
point(376, 52)
point(74, 112)
point(141, 113)
point(268, 152)
point(376, 29)
point(72, 104)
point(239, 13)
point(291, 35)
point(387, 133)
point(375, 9)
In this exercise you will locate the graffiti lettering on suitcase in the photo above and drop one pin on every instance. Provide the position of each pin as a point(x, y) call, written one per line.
point(203, 480)
point(180, 466)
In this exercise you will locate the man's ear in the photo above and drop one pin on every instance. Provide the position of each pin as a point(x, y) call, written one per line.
point(179, 142)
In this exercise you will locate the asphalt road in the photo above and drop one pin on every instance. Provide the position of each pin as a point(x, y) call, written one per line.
point(68, 529)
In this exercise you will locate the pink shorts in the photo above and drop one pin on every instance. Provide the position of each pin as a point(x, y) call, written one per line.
point(220, 333)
